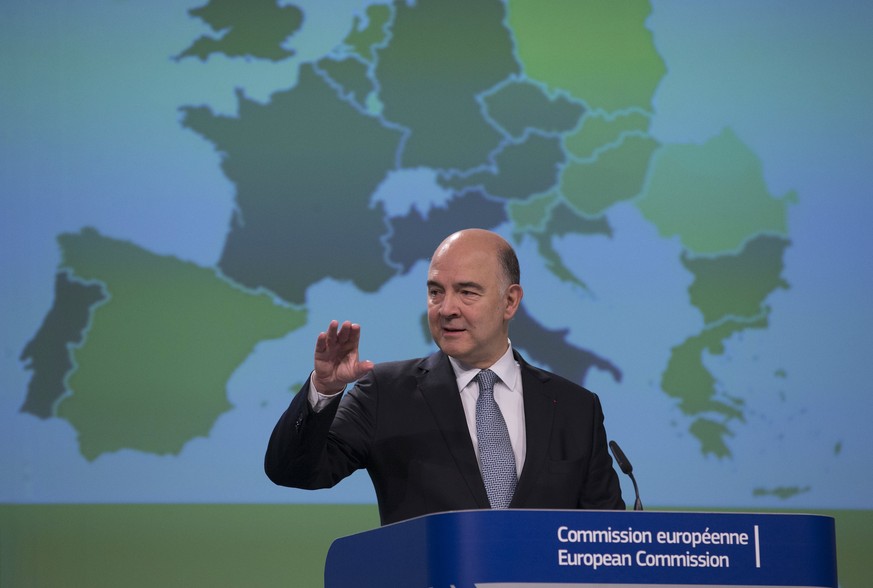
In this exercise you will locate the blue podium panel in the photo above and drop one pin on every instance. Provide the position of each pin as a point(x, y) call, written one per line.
point(526, 548)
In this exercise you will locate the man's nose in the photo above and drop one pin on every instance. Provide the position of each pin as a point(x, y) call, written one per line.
point(449, 306)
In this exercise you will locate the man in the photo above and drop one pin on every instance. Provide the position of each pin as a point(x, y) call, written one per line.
point(415, 425)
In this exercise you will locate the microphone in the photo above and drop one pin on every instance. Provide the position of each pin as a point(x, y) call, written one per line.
point(628, 469)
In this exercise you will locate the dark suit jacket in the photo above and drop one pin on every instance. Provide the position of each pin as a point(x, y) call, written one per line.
point(404, 422)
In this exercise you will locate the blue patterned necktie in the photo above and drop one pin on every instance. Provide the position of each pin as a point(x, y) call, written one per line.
point(495, 450)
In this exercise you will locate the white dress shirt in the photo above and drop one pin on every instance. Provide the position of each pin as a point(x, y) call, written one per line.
point(507, 394)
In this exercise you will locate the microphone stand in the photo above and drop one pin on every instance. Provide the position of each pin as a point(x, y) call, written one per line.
point(628, 469)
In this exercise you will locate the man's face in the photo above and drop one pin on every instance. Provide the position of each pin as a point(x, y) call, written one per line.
point(469, 305)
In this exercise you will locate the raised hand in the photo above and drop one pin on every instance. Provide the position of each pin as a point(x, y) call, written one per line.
point(336, 358)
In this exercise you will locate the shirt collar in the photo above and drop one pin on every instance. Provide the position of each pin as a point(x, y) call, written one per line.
point(506, 369)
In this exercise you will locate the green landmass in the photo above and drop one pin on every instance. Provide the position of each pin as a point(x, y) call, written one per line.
point(246, 28)
point(600, 51)
point(305, 166)
point(598, 132)
point(713, 196)
point(531, 213)
point(712, 436)
point(617, 174)
point(47, 355)
point(687, 379)
point(151, 374)
point(521, 105)
point(522, 169)
point(563, 221)
point(363, 41)
point(737, 285)
point(441, 56)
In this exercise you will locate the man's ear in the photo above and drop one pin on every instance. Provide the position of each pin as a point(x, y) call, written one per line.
point(513, 297)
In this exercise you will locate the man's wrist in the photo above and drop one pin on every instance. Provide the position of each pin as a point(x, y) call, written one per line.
point(317, 399)
point(324, 389)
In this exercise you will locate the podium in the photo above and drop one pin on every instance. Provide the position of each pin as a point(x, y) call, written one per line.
point(573, 548)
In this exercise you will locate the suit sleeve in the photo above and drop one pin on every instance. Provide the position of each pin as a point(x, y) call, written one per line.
point(602, 489)
point(312, 450)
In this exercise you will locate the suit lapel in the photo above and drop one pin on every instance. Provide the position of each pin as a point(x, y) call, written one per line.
point(539, 412)
point(437, 384)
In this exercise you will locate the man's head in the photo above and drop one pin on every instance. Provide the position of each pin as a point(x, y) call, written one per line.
point(472, 294)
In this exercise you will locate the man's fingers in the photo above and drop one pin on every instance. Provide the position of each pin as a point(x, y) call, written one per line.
point(339, 338)
point(321, 343)
point(345, 332)
point(343, 335)
point(353, 333)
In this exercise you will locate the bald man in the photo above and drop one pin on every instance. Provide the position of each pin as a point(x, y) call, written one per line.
point(414, 425)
